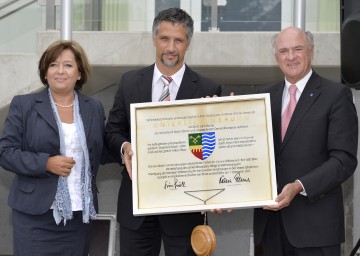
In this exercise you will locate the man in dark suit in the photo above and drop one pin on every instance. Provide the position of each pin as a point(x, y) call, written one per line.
point(172, 32)
point(315, 156)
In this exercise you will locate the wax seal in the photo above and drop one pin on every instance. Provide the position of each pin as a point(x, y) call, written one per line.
point(203, 240)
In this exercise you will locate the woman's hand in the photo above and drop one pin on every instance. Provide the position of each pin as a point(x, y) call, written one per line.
point(60, 165)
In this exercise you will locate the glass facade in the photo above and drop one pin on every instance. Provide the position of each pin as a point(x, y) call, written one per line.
point(20, 22)
point(234, 15)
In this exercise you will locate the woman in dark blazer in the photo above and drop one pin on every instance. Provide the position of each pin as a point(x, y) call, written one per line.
point(53, 142)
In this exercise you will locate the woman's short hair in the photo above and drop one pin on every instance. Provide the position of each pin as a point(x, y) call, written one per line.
point(54, 51)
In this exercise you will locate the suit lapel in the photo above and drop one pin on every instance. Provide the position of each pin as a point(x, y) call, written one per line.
point(144, 84)
point(276, 101)
point(43, 107)
point(188, 85)
point(311, 92)
point(85, 113)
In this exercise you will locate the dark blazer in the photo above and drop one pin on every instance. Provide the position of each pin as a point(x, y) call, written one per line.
point(31, 136)
point(319, 149)
point(135, 87)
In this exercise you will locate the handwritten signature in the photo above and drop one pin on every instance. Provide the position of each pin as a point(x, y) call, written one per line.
point(175, 184)
point(237, 179)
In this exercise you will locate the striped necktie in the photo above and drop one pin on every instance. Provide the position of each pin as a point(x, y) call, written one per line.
point(165, 95)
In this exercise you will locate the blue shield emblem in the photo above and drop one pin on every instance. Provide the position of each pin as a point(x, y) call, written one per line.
point(202, 145)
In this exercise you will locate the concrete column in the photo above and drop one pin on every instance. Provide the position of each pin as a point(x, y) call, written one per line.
point(66, 20)
point(299, 13)
point(214, 16)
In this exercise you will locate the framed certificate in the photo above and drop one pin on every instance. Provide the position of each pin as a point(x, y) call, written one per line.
point(201, 154)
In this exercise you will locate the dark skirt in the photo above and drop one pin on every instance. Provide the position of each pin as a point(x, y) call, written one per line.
point(38, 235)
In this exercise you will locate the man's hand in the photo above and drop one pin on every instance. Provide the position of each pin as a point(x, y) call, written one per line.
point(220, 211)
point(285, 197)
point(215, 96)
point(128, 158)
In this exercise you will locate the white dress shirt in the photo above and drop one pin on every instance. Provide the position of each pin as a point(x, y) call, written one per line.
point(300, 87)
point(286, 98)
point(158, 85)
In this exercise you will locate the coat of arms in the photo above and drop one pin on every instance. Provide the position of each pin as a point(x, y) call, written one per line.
point(202, 144)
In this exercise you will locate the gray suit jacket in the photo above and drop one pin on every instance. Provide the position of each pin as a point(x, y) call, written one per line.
point(135, 87)
point(319, 149)
point(31, 136)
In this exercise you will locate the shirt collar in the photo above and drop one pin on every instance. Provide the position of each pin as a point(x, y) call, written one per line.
point(177, 77)
point(301, 83)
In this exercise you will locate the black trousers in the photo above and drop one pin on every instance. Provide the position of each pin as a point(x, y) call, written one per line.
point(146, 241)
point(275, 242)
point(38, 235)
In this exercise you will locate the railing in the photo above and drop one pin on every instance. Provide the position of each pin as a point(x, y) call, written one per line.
point(19, 22)
point(10, 3)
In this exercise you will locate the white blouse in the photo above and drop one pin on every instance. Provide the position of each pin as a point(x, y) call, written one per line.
point(73, 149)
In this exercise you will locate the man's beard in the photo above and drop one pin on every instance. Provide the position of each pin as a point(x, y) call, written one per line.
point(170, 64)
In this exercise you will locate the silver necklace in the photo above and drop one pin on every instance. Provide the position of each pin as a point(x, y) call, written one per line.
point(64, 106)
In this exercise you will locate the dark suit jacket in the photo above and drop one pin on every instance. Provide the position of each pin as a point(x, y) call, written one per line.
point(135, 87)
point(31, 136)
point(319, 149)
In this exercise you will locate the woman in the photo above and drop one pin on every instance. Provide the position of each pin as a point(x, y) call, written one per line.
point(53, 142)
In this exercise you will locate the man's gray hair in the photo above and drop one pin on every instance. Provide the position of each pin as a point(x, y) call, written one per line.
point(309, 35)
point(175, 16)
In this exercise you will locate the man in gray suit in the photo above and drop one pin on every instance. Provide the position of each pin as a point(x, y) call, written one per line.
point(313, 156)
point(168, 79)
